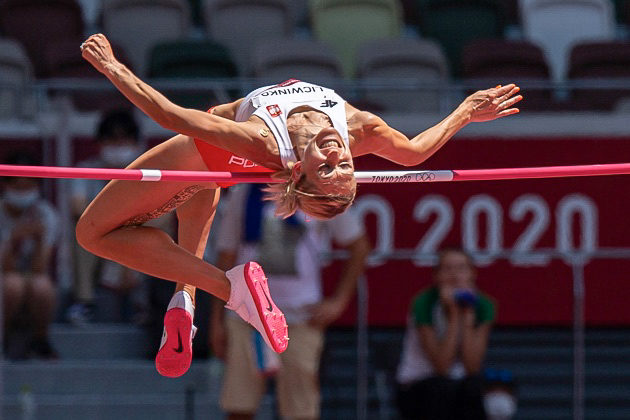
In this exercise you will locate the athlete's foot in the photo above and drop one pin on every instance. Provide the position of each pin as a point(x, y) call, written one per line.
point(250, 299)
point(175, 354)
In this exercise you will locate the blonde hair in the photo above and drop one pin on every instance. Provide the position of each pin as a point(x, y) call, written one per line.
point(291, 195)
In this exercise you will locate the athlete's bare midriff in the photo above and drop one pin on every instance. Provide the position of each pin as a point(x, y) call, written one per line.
point(303, 121)
point(306, 121)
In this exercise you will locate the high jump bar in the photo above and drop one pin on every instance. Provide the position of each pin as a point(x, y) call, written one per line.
point(367, 177)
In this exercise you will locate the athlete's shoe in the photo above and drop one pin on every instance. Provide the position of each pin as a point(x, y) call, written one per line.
point(251, 300)
point(175, 354)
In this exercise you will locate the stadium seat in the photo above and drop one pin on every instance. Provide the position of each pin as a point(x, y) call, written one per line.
point(488, 62)
point(600, 60)
point(195, 12)
point(556, 25)
point(346, 24)
point(138, 25)
point(239, 24)
point(35, 23)
point(410, 11)
point(453, 23)
point(300, 13)
point(622, 11)
point(16, 74)
point(91, 12)
point(510, 11)
point(302, 59)
point(419, 61)
point(62, 60)
point(190, 60)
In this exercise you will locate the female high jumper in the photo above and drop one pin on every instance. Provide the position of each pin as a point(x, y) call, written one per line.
point(305, 134)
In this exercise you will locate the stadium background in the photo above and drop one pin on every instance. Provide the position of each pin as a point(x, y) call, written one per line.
point(568, 350)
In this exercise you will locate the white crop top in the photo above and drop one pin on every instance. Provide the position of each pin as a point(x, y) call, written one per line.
point(274, 103)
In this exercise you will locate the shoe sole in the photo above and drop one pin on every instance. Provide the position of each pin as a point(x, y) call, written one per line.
point(168, 361)
point(273, 320)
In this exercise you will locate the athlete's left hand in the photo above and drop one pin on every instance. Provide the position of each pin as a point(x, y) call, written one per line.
point(326, 312)
point(490, 104)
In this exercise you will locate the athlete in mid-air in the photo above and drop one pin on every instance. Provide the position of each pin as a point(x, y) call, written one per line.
point(305, 134)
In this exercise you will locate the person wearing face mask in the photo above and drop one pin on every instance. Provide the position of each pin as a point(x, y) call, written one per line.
point(28, 234)
point(118, 137)
point(439, 375)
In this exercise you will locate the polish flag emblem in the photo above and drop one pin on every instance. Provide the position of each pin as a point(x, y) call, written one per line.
point(274, 110)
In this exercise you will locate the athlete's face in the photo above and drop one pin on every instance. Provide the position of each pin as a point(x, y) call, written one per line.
point(327, 162)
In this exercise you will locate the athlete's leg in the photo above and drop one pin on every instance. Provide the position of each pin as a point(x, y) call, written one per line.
point(194, 219)
point(110, 226)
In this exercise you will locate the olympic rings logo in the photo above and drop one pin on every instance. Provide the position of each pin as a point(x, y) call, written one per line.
point(425, 177)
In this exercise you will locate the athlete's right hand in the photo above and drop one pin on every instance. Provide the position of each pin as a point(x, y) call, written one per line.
point(98, 52)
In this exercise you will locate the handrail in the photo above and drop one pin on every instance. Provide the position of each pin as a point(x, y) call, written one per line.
point(195, 84)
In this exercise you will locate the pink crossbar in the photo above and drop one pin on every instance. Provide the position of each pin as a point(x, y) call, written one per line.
point(361, 176)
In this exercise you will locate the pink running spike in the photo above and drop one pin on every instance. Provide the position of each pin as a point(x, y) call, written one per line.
point(258, 287)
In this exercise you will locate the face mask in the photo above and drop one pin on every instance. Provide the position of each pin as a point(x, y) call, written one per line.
point(499, 405)
point(118, 155)
point(21, 199)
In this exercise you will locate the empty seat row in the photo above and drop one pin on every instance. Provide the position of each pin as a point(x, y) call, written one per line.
point(37, 23)
point(421, 64)
point(558, 25)
point(138, 25)
point(554, 25)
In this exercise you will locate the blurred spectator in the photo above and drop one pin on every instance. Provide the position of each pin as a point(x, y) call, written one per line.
point(439, 376)
point(118, 136)
point(28, 234)
point(289, 251)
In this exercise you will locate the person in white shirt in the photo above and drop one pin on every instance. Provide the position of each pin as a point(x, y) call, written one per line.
point(291, 250)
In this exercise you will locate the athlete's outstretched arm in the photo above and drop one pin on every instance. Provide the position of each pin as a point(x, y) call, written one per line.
point(238, 138)
point(485, 105)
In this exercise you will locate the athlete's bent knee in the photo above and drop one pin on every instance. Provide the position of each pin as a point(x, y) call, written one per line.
point(85, 234)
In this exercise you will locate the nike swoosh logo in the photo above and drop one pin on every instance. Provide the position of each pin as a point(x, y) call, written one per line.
point(270, 307)
point(180, 346)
